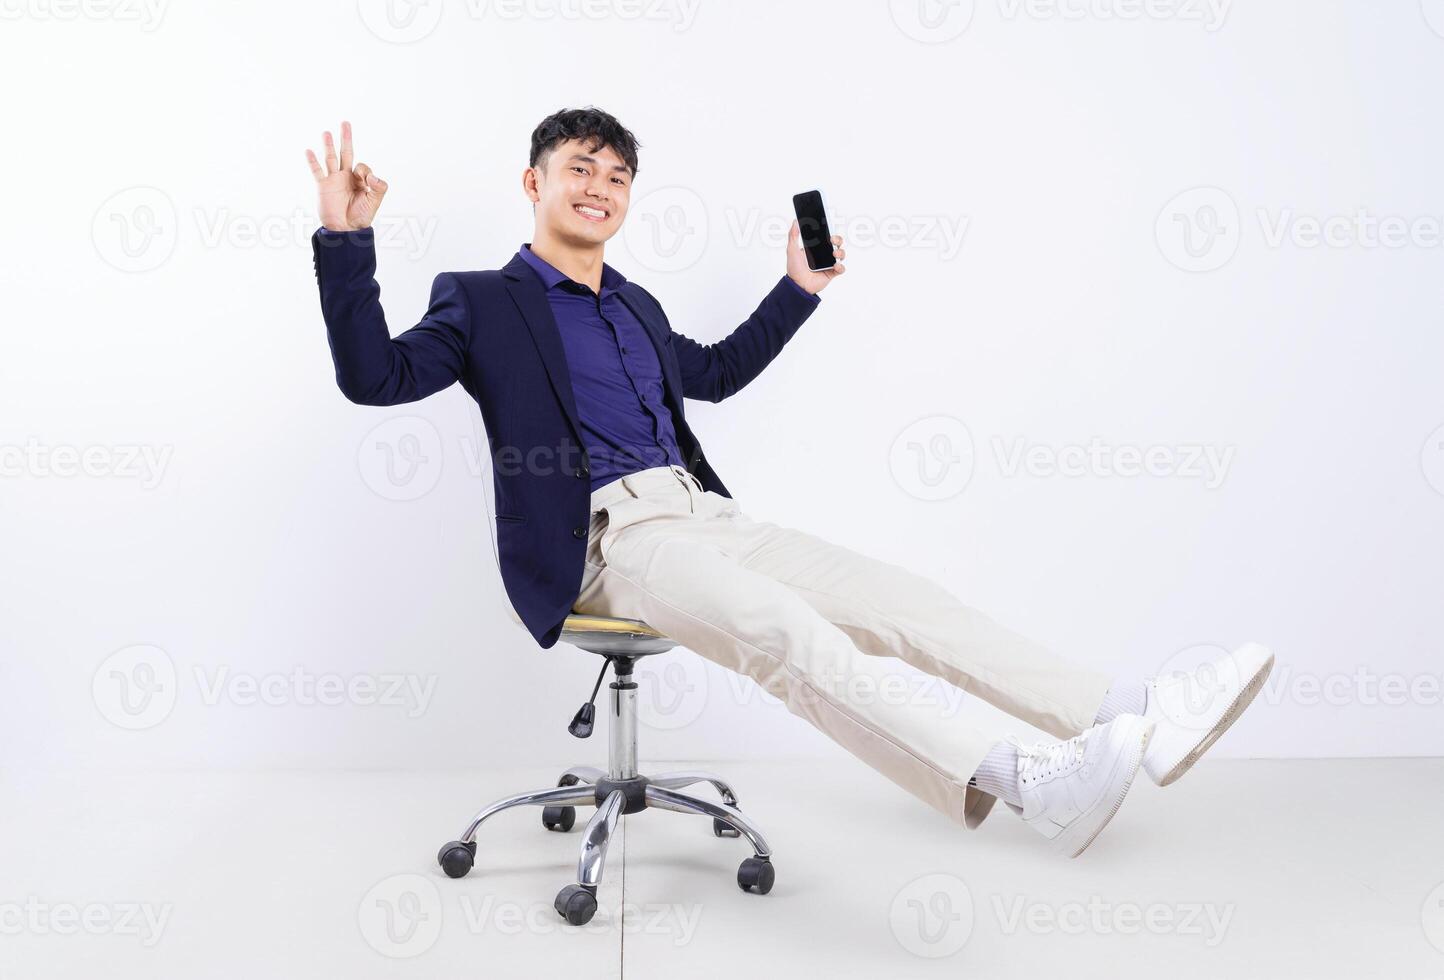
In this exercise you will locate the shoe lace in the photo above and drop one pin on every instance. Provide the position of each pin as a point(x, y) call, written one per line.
point(1044, 758)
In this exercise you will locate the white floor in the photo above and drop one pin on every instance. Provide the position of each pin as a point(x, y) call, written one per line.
point(1242, 869)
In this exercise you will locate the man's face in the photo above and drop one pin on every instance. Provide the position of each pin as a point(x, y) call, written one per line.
point(581, 195)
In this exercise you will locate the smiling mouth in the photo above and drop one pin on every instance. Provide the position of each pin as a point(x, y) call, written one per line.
point(590, 213)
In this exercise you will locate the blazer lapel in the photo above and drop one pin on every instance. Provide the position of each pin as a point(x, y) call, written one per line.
point(530, 298)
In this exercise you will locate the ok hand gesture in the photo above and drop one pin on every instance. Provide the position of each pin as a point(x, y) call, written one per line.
point(349, 196)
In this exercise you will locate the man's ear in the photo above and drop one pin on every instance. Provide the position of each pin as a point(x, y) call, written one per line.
point(529, 180)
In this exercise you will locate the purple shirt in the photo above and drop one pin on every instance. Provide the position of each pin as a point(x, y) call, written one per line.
point(616, 377)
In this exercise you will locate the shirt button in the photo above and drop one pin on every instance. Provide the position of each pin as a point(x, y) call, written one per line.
point(579, 532)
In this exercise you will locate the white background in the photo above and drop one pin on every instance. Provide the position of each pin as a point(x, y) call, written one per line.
point(182, 318)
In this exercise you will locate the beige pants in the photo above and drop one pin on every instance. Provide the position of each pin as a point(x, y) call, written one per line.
point(814, 623)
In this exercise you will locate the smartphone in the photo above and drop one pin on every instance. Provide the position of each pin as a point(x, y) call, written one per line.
point(816, 236)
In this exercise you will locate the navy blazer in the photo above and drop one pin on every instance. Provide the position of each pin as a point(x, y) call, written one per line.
point(494, 332)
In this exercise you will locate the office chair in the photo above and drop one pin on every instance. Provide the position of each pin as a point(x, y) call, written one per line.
point(620, 789)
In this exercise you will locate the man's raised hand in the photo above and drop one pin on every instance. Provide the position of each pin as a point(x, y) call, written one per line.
point(349, 196)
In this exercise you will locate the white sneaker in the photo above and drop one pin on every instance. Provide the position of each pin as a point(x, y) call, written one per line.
point(1071, 789)
point(1192, 709)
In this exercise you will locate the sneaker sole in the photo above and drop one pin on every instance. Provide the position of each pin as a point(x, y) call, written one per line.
point(1135, 759)
point(1244, 698)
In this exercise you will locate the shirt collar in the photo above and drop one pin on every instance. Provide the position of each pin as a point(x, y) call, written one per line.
point(552, 276)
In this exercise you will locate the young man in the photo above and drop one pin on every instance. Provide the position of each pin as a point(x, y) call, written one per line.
point(606, 504)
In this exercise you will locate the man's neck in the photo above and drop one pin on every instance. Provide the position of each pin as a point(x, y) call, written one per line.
point(581, 264)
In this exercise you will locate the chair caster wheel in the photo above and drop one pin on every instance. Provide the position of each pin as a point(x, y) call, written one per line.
point(576, 904)
point(456, 858)
point(559, 818)
point(756, 874)
point(721, 828)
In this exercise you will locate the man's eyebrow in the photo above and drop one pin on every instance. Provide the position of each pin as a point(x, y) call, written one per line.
point(586, 159)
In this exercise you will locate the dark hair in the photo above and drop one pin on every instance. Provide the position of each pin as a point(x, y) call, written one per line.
point(591, 126)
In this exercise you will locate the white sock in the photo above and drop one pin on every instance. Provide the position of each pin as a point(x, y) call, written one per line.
point(1125, 697)
point(998, 774)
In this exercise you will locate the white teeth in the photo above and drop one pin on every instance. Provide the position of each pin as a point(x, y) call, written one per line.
point(592, 211)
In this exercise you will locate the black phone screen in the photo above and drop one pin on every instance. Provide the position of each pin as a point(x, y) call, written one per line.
point(812, 224)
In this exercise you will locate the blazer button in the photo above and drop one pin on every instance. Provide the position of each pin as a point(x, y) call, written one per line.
point(580, 472)
point(579, 532)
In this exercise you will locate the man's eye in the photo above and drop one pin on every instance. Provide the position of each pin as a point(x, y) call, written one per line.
point(580, 170)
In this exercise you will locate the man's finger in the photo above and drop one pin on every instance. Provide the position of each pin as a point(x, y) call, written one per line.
point(316, 170)
point(362, 172)
point(347, 153)
point(332, 165)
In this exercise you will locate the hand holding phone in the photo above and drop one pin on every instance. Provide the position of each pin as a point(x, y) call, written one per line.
point(816, 236)
point(819, 261)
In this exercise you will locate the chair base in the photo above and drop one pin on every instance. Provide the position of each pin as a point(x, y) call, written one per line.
point(616, 791)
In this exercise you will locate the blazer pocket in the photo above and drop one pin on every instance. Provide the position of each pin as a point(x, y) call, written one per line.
point(511, 518)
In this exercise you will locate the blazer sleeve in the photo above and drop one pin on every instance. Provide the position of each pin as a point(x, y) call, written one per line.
point(712, 372)
point(371, 367)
